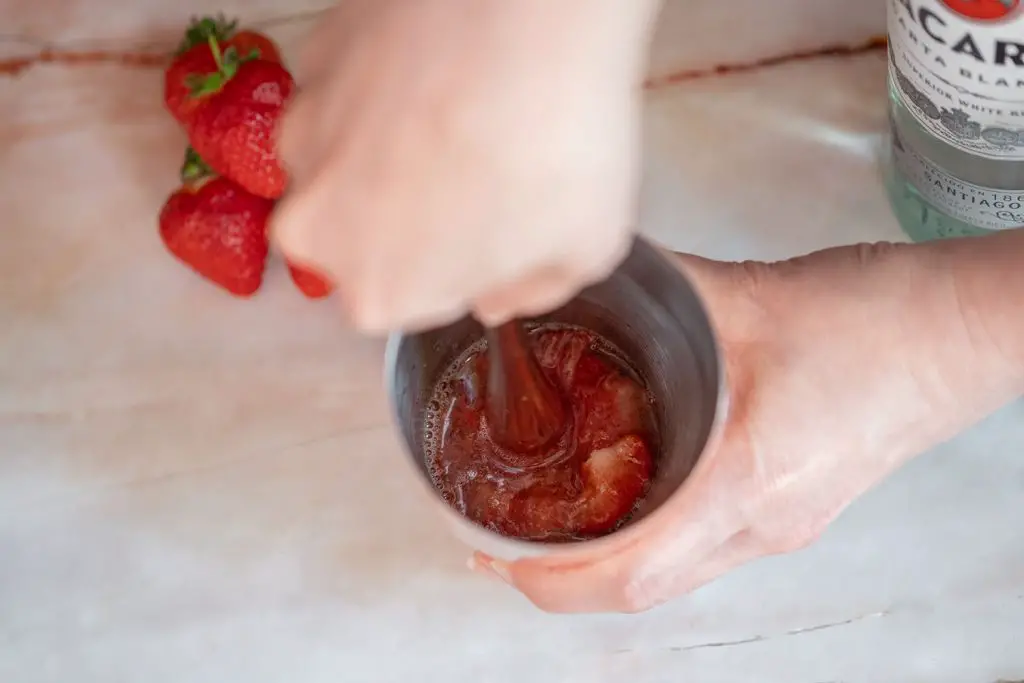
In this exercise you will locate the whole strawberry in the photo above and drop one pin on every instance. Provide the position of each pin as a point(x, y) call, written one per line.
point(234, 123)
point(193, 59)
point(217, 229)
point(309, 282)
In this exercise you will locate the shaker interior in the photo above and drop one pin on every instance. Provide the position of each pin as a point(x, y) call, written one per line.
point(649, 311)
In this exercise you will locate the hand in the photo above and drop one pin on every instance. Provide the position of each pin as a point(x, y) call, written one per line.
point(448, 156)
point(841, 366)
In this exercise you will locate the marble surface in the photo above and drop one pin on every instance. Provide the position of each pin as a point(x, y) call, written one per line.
point(198, 489)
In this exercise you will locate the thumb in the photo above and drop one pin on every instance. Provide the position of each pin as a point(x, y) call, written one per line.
point(719, 283)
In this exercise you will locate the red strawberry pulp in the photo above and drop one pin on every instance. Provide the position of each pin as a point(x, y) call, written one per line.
point(587, 484)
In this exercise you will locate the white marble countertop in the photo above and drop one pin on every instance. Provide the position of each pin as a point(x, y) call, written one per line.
point(200, 490)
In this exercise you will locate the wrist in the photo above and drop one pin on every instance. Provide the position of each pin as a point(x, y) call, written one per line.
point(931, 341)
point(943, 342)
point(987, 277)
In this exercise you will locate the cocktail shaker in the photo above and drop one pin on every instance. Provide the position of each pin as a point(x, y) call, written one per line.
point(651, 312)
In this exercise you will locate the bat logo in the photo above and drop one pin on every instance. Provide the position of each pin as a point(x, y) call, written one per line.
point(983, 10)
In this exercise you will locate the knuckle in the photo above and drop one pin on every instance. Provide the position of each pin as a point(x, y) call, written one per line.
point(870, 252)
point(750, 276)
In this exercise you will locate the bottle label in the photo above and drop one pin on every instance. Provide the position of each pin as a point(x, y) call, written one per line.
point(959, 68)
point(982, 207)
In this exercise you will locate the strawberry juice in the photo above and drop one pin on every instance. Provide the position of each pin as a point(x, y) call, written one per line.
point(584, 485)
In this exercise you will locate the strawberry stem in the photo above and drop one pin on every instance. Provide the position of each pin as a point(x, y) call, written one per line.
point(194, 168)
point(227, 63)
point(200, 28)
point(215, 51)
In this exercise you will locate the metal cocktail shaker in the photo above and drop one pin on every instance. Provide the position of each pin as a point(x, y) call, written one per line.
point(651, 312)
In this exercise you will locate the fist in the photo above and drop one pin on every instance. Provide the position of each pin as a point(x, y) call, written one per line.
point(449, 157)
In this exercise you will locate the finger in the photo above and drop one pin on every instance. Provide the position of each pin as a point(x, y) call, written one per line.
point(563, 589)
point(627, 579)
point(314, 60)
point(677, 548)
point(628, 582)
point(305, 136)
point(572, 595)
point(319, 52)
point(419, 320)
point(546, 289)
point(306, 225)
point(297, 226)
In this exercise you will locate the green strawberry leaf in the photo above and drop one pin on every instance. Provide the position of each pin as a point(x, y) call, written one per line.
point(201, 86)
point(201, 30)
point(227, 62)
point(194, 168)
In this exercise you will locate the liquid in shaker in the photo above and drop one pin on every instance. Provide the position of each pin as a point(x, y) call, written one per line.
point(583, 484)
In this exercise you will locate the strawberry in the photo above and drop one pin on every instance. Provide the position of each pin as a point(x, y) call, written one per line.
point(256, 44)
point(614, 480)
point(193, 58)
point(591, 370)
point(177, 92)
point(561, 352)
point(226, 34)
point(309, 282)
point(217, 228)
point(234, 123)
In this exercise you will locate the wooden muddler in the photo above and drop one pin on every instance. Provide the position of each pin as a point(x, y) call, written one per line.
point(525, 410)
